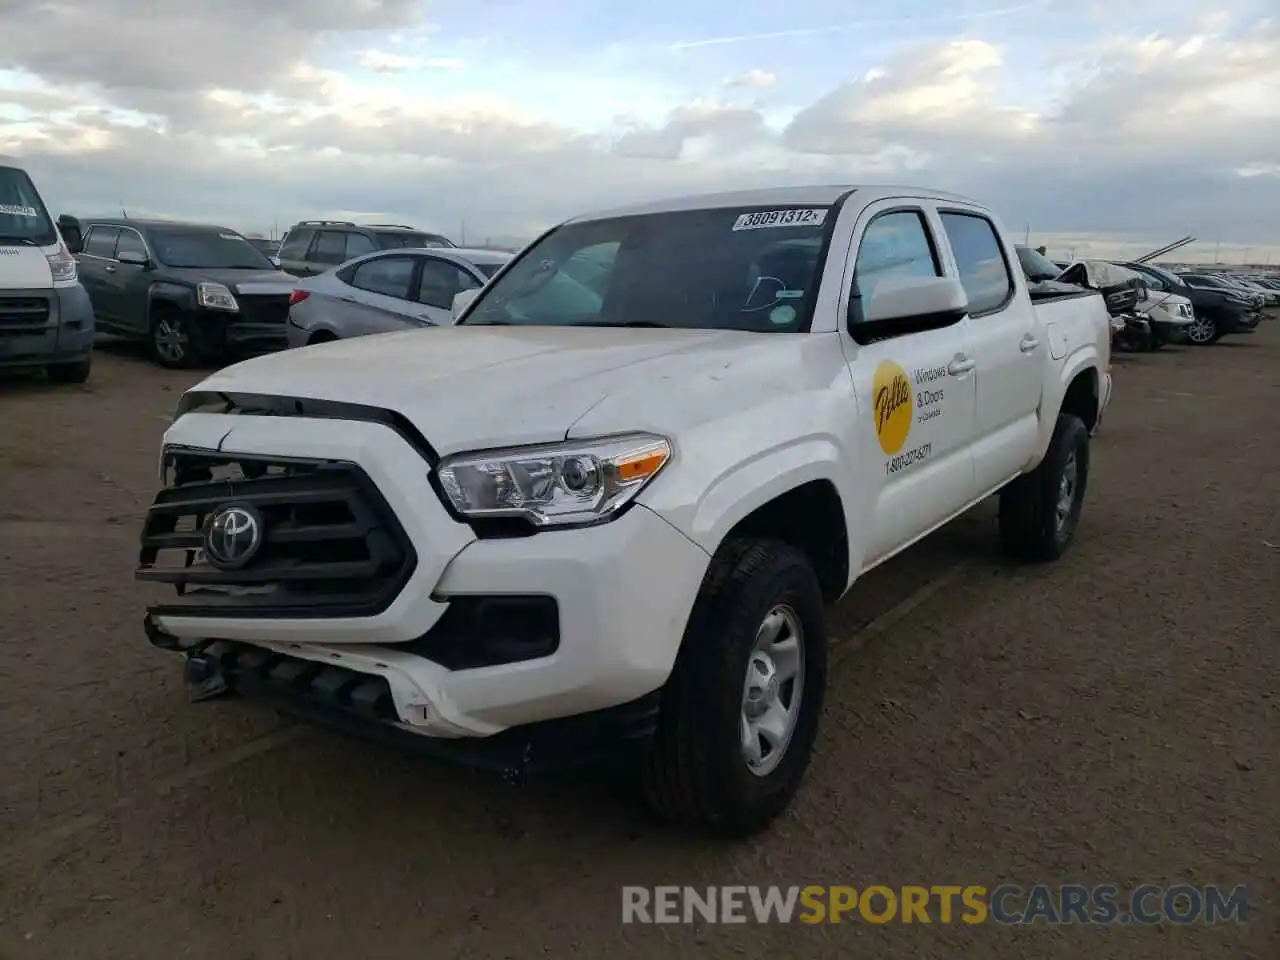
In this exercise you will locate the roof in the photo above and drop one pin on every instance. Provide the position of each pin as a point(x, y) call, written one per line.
point(814, 195)
point(145, 223)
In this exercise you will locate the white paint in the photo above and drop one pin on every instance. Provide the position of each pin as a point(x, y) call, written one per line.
point(750, 416)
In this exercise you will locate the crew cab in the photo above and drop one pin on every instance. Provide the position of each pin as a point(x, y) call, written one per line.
point(194, 293)
point(46, 320)
point(606, 510)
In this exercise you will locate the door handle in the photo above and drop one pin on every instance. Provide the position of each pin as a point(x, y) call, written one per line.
point(109, 268)
point(960, 365)
point(1028, 344)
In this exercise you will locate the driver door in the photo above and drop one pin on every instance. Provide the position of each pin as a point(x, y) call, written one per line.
point(915, 391)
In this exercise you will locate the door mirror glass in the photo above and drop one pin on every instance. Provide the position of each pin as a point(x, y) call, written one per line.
point(135, 257)
point(461, 300)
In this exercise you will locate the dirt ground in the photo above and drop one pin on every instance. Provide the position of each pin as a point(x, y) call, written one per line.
point(1113, 718)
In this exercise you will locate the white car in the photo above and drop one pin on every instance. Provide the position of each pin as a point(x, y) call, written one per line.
point(385, 292)
point(606, 508)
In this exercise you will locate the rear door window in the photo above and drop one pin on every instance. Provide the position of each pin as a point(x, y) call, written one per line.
point(358, 245)
point(984, 272)
point(389, 276)
point(330, 247)
point(295, 244)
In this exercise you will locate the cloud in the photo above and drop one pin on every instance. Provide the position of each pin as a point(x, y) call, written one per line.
point(754, 80)
point(383, 62)
point(265, 118)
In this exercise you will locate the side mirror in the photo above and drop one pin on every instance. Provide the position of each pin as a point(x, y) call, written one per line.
point(133, 257)
point(69, 227)
point(461, 300)
point(900, 305)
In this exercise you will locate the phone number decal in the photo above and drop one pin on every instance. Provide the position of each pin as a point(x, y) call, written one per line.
point(904, 460)
point(815, 217)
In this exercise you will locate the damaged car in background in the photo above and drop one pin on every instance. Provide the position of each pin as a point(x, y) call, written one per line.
point(1156, 316)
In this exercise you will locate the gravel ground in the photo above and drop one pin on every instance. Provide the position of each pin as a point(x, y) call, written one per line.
point(1113, 718)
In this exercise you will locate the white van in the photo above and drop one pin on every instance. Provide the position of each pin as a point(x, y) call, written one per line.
point(46, 319)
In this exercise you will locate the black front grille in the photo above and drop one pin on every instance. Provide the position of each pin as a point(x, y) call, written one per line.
point(264, 308)
point(24, 312)
point(332, 547)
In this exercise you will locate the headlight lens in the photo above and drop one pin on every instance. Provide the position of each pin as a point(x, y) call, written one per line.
point(561, 484)
point(215, 296)
point(62, 265)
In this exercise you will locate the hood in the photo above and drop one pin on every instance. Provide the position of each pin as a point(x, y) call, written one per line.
point(468, 388)
point(240, 281)
point(1053, 286)
point(24, 268)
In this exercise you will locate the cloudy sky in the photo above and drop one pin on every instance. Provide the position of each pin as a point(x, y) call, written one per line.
point(1099, 125)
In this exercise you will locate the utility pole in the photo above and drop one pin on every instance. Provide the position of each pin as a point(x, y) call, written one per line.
point(1026, 237)
point(462, 236)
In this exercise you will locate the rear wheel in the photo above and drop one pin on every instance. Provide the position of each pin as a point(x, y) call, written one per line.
point(77, 371)
point(740, 713)
point(323, 336)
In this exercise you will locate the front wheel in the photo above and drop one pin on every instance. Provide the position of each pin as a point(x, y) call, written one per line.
point(1203, 331)
point(740, 712)
point(1039, 511)
point(172, 341)
point(77, 371)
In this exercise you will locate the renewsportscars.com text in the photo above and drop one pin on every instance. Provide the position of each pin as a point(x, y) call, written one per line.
point(1009, 904)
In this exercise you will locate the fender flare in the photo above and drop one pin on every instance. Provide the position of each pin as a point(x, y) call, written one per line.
point(184, 298)
point(750, 484)
point(1086, 357)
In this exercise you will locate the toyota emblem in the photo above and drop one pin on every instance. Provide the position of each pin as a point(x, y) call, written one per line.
point(233, 536)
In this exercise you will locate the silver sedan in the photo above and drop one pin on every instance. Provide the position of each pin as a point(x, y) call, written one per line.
point(386, 291)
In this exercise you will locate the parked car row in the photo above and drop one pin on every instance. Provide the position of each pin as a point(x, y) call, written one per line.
point(1194, 307)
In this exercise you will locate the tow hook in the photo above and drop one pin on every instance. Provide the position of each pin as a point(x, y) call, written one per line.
point(204, 677)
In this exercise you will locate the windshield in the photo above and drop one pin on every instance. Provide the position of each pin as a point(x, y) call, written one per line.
point(1206, 281)
point(1036, 265)
point(207, 249)
point(396, 241)
point(1165, 275)
point(724, 269)
point(23, 217)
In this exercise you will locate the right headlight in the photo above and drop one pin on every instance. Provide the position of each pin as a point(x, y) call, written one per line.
point(576, 483)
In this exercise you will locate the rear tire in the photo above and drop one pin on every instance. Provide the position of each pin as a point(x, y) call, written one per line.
point(1039, 511)
point(711, 766)
point(77, 371)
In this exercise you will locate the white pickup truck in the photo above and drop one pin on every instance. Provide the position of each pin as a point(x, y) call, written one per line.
point(607, 506)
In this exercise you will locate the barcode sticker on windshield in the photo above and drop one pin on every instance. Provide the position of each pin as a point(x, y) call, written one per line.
point(815, 217)
point(13, 211)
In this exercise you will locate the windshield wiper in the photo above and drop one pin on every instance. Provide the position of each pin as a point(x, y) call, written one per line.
point(14, 238)
point(486, 323)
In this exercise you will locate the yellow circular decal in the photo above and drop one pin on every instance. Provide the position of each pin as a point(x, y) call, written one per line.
point(893, 406)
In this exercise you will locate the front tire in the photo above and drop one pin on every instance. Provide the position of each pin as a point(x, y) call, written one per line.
point(77, 371)
point(172, 340)
point(1203, 331)
point(740, 712)
point(1039, 511)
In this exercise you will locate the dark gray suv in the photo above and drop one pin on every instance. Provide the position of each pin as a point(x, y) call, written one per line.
point(314, 246)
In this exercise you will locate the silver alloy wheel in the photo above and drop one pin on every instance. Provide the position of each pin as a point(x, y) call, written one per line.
point(1066, 491)
point(1201, 330)
point(170, 339)
point(773, 690)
